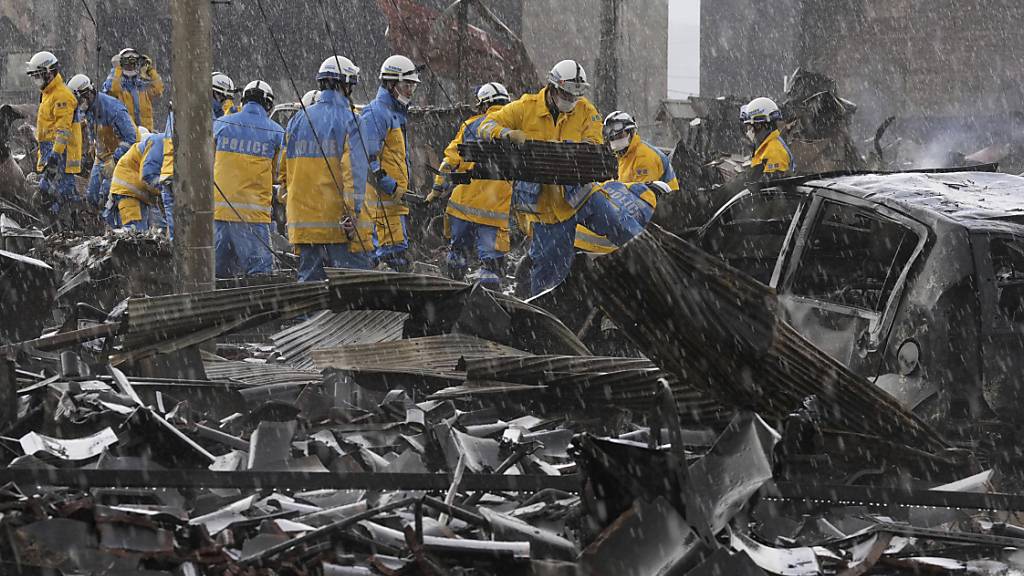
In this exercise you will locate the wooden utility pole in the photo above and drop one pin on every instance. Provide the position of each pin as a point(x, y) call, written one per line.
point(193, 144)
point(608, 65)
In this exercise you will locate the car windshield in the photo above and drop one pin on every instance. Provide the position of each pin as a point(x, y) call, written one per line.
point(854, 258)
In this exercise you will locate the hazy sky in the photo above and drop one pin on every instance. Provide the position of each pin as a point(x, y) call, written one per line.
point(683, 47)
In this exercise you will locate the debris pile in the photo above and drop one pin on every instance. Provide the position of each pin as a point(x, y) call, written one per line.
point(386, 423)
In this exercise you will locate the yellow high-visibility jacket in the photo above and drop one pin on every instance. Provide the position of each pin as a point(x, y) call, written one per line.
point(136, 93)
point(531, 115)
point(249, 147)
point(127, 179)
point(774, 154)
point(641, 162)
point(56, 129)
point(315, 205)
point(481, 201)
point(384, 122)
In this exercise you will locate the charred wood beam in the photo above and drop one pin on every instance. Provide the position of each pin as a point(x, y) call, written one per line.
point(279, 480)
point(717, 330)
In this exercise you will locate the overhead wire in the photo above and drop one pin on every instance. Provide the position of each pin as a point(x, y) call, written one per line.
point(316, 136)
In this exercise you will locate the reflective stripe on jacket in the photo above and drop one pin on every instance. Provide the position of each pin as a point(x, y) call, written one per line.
point(315, 206)
point(383, 122)
point(481, 201)
point(136, 93)
point(55, 122)
point(127, 178)
point(641, 162)
point(530, 114)
point(249, 146)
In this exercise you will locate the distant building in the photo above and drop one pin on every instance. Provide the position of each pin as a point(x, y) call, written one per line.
point(243, 47)
point(936, 59)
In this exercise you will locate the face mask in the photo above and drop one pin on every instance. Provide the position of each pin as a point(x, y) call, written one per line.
point(41, 81)
point(751, 135)
point(404, 93)
point(84, 106)
point(619, 144)
point(565, 106)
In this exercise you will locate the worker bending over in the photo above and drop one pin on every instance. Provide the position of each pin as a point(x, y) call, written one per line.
point(249, 147)
point(158, 171)
point(477, 213)
point(109, 128)
point(131, 199)
point(638, 161)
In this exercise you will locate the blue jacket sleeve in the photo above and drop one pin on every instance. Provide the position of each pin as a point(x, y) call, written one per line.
point(153, 162)
point(358, 160)
point(109, 82)
point(125, 131)
point(375, 129)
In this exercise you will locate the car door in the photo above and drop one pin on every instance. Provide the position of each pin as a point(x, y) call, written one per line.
point(842, 283)
point(999, 261)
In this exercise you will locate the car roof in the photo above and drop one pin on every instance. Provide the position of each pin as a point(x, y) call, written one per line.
point(977, 200)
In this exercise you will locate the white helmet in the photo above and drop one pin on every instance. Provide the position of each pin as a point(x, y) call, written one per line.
point(399, 67)
point(259, 90)
point(222, 84)
point(143, 132)
point(616, 123)
point(568, 75)
point(760, 110)
point(492, 93)
point(339, 68)
point(80, 83)
point(310, 98)
point(41, 62)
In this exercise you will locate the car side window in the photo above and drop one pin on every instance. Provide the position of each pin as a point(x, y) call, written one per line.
point(1007, 256)
point(749, 234)
point(853, 257)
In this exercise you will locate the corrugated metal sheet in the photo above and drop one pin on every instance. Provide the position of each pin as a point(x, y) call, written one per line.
point(435, 355)
point(717, 329)
point(258, 373)
point(595, 382)
point(332, 329)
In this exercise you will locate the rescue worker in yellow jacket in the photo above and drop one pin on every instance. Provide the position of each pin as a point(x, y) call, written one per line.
point(638, 161)
point(761, 119)
point(222, 95)
point(383, 123)
point(325, 178)
point(58, 133)
point(131, 198)
point(477, 213)
point(135, 82)
point(249, 147)
point(109, 128)
point(557, 112)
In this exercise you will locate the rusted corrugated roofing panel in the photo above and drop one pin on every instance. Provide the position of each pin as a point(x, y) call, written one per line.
point(332, 329)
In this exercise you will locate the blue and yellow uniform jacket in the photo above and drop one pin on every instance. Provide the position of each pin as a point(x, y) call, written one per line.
point(110, 127)
point(127, 178)
point(315, 205)
point(136, 93)
point(774, 154)
point(56, 129)
point(249, 147)
point(383, 123)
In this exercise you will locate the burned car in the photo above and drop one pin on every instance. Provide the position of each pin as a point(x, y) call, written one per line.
point(912, 280)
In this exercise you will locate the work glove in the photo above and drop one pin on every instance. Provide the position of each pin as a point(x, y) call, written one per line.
point(108, 169)
point(349, 227)
point(146, 69)
point(517, 137)
point(659, 187)
point(435, 193)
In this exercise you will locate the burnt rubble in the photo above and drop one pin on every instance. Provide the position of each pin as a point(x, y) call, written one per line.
point(383, 423)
